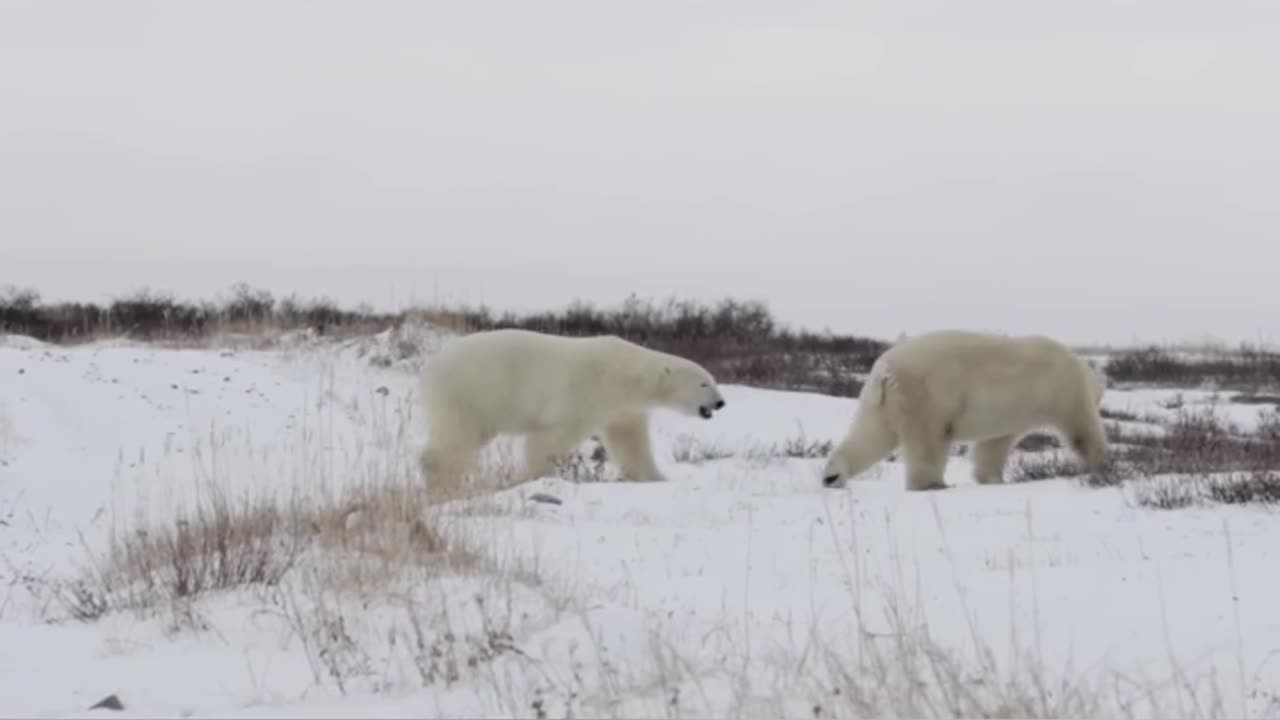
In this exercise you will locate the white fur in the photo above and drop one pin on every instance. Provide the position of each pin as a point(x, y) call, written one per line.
point(555, 391)
point(928, 391)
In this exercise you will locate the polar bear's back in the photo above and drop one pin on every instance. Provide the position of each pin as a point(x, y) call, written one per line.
point(990, 383)
point(512, 378)
point(977, 354)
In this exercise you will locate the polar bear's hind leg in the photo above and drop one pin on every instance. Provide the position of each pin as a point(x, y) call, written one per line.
point(1089, 443)
point(990, 457)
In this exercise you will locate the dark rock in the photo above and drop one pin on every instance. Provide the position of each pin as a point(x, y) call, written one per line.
point(110, 702)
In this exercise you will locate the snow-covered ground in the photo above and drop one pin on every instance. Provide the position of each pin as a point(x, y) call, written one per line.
point(741, 588)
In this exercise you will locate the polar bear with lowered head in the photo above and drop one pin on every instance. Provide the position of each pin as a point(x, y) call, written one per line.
point(926, 392)
point(555, 391)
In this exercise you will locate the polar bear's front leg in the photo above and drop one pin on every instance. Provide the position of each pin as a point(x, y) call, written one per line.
point(989, 458)
point(925, 455)
point(542, 450)
point(626, 442)
point(446, 460)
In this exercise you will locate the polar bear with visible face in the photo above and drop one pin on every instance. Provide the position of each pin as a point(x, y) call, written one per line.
point(555, 391)
point(926, 392)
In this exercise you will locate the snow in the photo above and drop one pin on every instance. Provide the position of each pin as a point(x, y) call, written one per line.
point(716, 594)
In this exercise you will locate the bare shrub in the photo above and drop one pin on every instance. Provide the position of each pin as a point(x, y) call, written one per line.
point(1165, 493)
point(738, 341)
point(688, 449)
point(1173, 492)
point(1255, 399)
point(1125, 435)
point(1035, 442)
point(1268, 426)
point(1199, 457)
point(1114, 472)
point(587, 465)
point(151, 315)
point(796, 447)
point(1259, 487)
point(799, 446)
point(1201, 442)
point(1044, 467)
point(1112, 414)
point(1246, 366)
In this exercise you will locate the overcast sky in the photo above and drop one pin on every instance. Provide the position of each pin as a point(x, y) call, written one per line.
point(1099, 171)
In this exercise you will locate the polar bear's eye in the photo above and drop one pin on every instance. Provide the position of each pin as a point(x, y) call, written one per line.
point(705, 385)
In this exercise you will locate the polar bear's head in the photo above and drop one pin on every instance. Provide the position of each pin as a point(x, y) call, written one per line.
point(839, 466)
point(687, 387)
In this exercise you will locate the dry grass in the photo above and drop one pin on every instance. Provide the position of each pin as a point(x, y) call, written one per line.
point(315, 558)
point(372, 578)
point(367, 537)
point(341, 548)
point(893, 663)
point(377, 589)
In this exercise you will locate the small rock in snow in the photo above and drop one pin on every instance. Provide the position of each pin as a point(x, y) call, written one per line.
point(110, 702)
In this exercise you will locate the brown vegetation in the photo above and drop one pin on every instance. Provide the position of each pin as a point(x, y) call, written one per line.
point(739, 342)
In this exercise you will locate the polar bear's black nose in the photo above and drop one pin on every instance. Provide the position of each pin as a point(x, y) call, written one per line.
point(830, 480)
point(719, 404)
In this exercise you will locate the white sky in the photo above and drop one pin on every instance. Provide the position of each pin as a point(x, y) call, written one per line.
point(1099, 171)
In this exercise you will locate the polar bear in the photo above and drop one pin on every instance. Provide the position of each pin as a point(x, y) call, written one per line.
point(928, 391)
point(555, 391)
